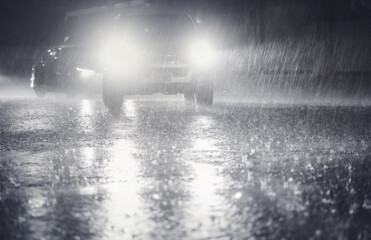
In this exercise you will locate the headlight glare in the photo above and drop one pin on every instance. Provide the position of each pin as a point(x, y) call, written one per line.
point(201, 53)
point(120, 56)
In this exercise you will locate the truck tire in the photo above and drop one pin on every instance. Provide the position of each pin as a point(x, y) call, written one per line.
point(204, 93)
point(189, 94)
point(40, 91)
point(112, 93)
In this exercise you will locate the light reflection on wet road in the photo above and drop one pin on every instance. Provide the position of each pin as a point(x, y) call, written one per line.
point(161, 170)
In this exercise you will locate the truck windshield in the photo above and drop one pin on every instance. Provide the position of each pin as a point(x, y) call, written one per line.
point(87, 29)
point(156, 26)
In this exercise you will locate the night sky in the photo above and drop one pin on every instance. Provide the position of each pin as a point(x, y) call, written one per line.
point(34, 22)
point(28, 26)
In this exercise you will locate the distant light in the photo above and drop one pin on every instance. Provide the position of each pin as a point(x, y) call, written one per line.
point(85, 72)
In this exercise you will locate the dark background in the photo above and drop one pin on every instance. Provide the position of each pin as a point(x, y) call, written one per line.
point(315, 41)
point(36, 22)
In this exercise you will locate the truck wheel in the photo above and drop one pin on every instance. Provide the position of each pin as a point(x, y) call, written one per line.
point(204, 93)
point(189, 94)
point(40, 91)
point(112, 93)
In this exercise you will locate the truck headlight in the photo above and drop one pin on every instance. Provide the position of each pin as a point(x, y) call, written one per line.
point(201, 53)
point(120, 56)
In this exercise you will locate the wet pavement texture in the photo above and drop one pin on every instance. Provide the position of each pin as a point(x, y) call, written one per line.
point(69, 169)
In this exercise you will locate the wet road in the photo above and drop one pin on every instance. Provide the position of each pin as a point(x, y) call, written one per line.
point(161, 170)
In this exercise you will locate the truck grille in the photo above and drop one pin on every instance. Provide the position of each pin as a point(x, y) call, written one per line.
point(165, 74)
point(165, 57)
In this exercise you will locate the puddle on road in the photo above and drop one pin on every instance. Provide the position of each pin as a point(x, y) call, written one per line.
point(202, 177)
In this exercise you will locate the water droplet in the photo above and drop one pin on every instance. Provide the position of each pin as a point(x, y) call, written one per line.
point(156, 196)
point(238, 195)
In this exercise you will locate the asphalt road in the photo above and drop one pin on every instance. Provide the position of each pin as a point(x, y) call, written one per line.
point(161, 170)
